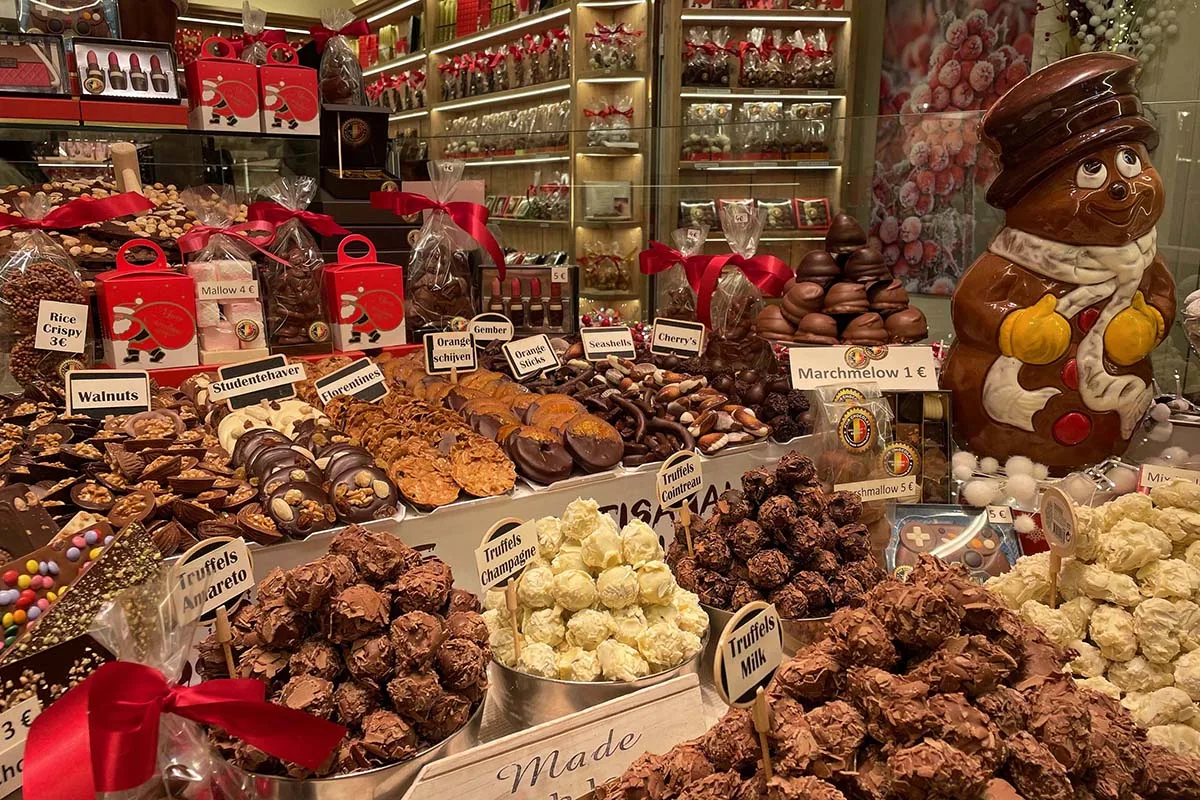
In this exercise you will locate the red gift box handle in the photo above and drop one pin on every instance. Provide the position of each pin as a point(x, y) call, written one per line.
point(218, 47)
point(281, 53)
point(356, 238)
point(125, 265)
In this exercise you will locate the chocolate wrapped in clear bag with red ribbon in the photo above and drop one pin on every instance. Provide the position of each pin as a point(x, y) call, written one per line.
point(256, 39)
point(41, 293)
point(339, 73)
point(295, 309)
point(679, 269)
point(731, 292)
point(438, 283)
point(131, 730)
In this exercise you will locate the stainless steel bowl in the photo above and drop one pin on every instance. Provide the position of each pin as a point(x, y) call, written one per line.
point(529, 700)
point(374, 784)
point(797, 634)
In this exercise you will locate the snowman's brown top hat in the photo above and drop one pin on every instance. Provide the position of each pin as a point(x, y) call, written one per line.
point(1074, 106)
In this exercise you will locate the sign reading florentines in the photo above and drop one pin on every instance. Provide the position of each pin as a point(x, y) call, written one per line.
point(361, 379)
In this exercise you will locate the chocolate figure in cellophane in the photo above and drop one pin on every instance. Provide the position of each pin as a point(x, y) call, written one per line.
point(1055, 322)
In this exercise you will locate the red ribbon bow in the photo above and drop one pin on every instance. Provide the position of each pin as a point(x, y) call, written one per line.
point(102, 736)
point(197, 237)
point(659, 257)
point(80, 212)
point(471, 217)
point(768, 273)
point(321, 35)
point(267, 37)
point(277, 215)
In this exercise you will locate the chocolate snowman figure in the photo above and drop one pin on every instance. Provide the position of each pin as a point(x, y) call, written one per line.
point(1055, 322)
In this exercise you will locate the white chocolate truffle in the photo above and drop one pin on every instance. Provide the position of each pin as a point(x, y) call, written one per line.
point(544, 626)
point(1180, 739)
point(503, 648)
point(538, 659)
point(601, 549)
point(1171, 578)
point(535, 588)
point(1192, 554)
point(1160, 707)
point(1187, 674)
point(1089, 663)
point(1134, 507)
point(549, 537)
point(1079, 611)
point(1154, 626)
point(580, 518)
point(1130, 545)
point(1177, 494)
point(494, 619)
point(1111, 630)
point(639, 544)
point(689, 615)
point(1028, 580)
point(1187, 625)
point(628, 624)
point(1054, 623)
point(578, 664)
point(1180, 524)
point(1098, 583)
point(617, 587)
point(664, 645)
point(570, 556)
point(1100, 685)
point(657, 614)
point(574, 589)
point(588, 628)
point(656, 584)
point(494, 599)
point(620, 662)
point(1137, 675)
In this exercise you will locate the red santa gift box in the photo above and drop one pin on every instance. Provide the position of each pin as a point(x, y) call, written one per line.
point(367, 299)
point(288, 94)
point(222, 90)
point(148, 313)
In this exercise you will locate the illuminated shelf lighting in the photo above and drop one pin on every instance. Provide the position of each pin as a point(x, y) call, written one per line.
point(501, 31)
point(750, 166)
point(756, 17)
point(610, 3)
point(74, 164)
point(781, 94)
point(228, 23)
point(420, 112)
point(505, 97)
point(378, 15)
point(612, 79)
point(395, 63)
point(774, 239)
point(500, 162)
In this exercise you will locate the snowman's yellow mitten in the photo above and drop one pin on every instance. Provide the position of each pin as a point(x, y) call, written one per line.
point(1035, 335)
point(1134, 332)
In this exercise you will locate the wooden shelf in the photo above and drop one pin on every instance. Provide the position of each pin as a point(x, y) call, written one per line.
point(760, 16)
point(504, 33)
point(534, 94)
point(756, 93)
point(609, 223)
point(753, 165)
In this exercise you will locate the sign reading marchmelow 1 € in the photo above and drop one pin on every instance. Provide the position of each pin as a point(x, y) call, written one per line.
point(895, 368)
point(679, 479)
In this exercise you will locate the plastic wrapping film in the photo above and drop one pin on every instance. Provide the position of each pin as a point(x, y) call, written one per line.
point(736, 301)
point(295, 298)
point(438, 280)
point(340, 75)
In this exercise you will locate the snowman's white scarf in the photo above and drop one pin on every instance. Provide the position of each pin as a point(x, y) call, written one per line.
point(1098, 273)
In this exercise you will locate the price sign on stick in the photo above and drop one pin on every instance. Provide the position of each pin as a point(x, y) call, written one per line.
point(679, 479)
point(749, 653)
point(1058, 524)
point(506, 548)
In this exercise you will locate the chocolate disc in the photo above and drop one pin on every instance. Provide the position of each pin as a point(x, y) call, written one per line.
point(248, 443)
point(353, 456)
point(539, 455)
point(271, 458)
point(282, 476)
point(593, 443)
point(299, 509)
point(362, 493)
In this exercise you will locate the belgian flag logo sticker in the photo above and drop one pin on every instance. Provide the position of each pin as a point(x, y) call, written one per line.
point(899, 460)
point(856, 429)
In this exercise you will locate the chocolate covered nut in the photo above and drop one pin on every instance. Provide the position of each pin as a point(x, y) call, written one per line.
point(362, 493)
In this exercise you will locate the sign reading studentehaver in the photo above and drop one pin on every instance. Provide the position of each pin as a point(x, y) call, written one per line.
point(248, 383)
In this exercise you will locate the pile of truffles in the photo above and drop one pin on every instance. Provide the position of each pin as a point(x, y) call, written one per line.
point(597, 603)
point(782, 539)
point(844, 294)
point(931, 691)
point(369, 636)
point(1132, 607)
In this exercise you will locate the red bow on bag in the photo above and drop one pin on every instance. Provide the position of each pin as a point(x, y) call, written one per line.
point(80, 212)
point(197, 237)
point(276, 215)
point(102, 736)
point(768, 273)
point(471, 217)
point(659, 257)
point(267, 37)
point(321, 35)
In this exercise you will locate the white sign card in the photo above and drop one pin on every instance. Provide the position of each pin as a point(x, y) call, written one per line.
point(560, 274)
point(99, 393)
point(14, 723)
point(361, 379)
point(249, 382)
point(903, 488)
point(12, 769)
point(748, 653)
point(226, 290)
point(217, 572)
point(490, 327)
point(61, 327)
point(1151, 475)
point(451, 351)
point(600, 343)
point(506, 549)
point(680, 477)
point(570, 756)
point(1058, 521)
point(898, 368)
point(999, 515)
point(531, 356)
point(676, 337)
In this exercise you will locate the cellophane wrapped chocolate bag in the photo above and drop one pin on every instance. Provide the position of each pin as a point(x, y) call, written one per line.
point(254, 21)
point(678, 295)
point(294, 298)
point(736, 301)
point(340, 74)
point(438, 279)
point(35, 269)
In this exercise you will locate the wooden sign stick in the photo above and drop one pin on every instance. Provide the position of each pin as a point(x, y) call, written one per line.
point(510, 601)
point(685, 519)
point(762, 724)
point(225, 636)
point(454, 375)
point(1055, 566)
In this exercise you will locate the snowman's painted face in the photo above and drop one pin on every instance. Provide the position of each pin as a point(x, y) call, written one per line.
point(1106, 197)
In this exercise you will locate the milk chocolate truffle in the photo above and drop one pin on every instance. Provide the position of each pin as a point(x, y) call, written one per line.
point(846, 298)
point(771, 325)
point(281, 627)
point(423, 588)
point(813, 674)
point(804, 297)
point(907, 326)
point(371, 659)
point(860, 639)
point(413, 693)
point(796, 471)
point(732, 744)
point(378, 556)
point(465, 625)
point(934, 770)
point(768, 569)
point(310, 694)
point(818, 267)
point(353, 701)
point(462, 600)
point(816, 329)
point(310, 586)
point(866, 329)
point(316, 657)
point(262, 664)
point(416, 636)
point(389, 736)
point(746, 538)
point(865, 265)
point(887, 296)
point(462, 665)
point(448, 713)
point(357, 611)
point(917, 615)
point(845, 235)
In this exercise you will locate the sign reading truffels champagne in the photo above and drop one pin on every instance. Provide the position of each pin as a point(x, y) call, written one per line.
point(531, 356)
point(676, 337)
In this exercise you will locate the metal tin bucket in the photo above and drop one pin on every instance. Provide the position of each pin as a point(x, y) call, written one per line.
point(797, 634)
point(374, 784)
point(529, 700)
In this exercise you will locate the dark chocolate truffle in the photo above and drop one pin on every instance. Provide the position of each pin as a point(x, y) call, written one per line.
point(845, 235)
point(817, 267)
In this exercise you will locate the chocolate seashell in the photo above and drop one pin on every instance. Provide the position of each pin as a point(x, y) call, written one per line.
point(92, 496)
point(213, 498)
point(192, 480)
point(130, 465)
point(53, 471)
point(138, 445)
point(169, 536)
point(47, 433)
point(225, 526)
point(257, 526)
point(158, 423)
point(136, 506)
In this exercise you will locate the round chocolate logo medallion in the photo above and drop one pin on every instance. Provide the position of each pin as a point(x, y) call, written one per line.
point(857, 357)
point(319, 331)
point(247, 330)
point(69, 365)
point(877, 351)
point(899, 459)
point(355, 131)
point(389, 186)
point(848, 394)
point(856, 429)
